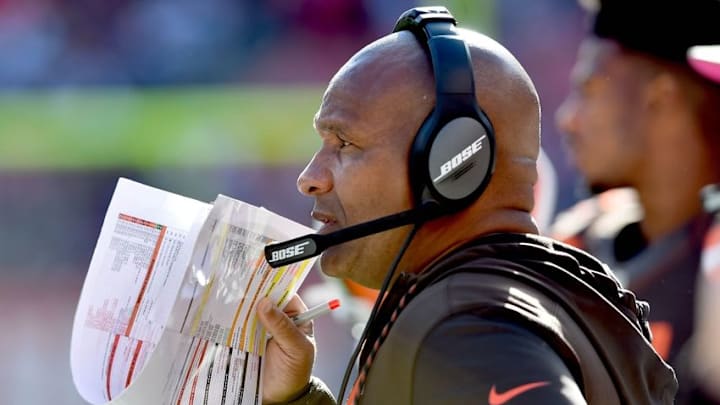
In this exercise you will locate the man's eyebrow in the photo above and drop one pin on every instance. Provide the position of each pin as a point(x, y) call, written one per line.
point(578, 75)
point(582, 77)
point(329, 127)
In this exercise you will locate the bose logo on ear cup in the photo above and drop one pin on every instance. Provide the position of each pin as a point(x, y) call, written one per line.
point(451, 165)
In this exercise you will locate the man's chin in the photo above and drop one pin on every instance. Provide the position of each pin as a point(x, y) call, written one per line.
point(330, 264)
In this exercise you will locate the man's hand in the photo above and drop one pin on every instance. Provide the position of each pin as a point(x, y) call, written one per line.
point(290, 352)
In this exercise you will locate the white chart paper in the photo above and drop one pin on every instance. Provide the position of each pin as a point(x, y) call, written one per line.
point(167, 311)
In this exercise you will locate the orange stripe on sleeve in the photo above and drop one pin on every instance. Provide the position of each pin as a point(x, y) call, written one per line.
point(662, 333)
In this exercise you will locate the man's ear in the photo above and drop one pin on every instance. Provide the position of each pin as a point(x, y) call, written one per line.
point(662, 91)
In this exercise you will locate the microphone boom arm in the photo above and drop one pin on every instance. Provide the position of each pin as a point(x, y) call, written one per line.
point(304, 247)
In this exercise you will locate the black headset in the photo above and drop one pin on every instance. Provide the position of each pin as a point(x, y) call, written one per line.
point(452, 157)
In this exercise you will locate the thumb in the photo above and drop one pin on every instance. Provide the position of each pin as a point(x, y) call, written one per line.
point(290, 353)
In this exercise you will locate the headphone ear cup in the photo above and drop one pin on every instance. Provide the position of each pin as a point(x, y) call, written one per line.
point(458, 162)
point(453, 154)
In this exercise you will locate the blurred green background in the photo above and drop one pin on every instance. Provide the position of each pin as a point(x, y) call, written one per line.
point(100, 128)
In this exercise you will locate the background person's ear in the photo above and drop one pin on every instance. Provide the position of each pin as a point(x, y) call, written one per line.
point(662, 91)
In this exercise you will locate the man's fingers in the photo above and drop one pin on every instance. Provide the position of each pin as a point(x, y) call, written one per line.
point(290, 352)
point(295, 305)
point(284, 332)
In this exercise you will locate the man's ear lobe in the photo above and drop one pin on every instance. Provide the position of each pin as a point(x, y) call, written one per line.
point(662, 91)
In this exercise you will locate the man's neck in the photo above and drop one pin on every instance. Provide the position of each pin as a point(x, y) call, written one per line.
point(669, 205)
point(676, 168)
point(439, 237)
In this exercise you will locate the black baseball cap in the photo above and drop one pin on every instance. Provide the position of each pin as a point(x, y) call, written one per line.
point(664, 28)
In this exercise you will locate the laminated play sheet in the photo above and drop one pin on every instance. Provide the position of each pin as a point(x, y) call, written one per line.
point(167, 310)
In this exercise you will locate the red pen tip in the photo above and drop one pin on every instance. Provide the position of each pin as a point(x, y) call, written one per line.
point(334, 303)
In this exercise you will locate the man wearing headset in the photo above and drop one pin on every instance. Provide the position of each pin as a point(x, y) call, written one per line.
point(642, 126)
point(441, 125)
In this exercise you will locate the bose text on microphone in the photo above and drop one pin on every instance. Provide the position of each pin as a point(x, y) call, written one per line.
point(304, 247)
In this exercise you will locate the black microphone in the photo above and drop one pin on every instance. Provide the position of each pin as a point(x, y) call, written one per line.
point(305, 247)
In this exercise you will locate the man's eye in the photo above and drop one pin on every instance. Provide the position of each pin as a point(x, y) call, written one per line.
point(343, 143)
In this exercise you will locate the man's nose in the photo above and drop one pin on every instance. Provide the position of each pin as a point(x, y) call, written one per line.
point(316, 178)
point(566, 116)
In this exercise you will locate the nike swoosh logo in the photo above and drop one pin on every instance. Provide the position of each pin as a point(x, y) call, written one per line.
point(499, 398)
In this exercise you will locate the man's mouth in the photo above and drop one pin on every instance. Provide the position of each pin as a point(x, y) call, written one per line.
point(327, 221)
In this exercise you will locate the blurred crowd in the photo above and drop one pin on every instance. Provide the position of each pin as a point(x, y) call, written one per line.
point(160, 42)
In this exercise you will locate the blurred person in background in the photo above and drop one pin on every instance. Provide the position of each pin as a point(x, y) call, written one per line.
point(705, 357)
point(643, 128)
point(483, 310)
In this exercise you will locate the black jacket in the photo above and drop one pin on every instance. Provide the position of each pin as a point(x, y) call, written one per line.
point(512, 316)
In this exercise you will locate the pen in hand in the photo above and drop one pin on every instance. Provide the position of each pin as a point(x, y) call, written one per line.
point(315, 311)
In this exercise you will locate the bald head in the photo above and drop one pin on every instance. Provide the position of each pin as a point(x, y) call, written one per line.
point(368, 119)
point(396, 67)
